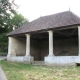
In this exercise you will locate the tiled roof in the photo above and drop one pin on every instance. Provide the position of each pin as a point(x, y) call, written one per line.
point(48, 22)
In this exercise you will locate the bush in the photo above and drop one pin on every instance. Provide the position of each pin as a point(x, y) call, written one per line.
point(3, 54)
point(3, 43)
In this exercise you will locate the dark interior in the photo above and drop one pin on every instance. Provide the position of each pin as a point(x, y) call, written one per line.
point(65, 43)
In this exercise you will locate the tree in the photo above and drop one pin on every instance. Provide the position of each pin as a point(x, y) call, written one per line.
point(9, 18)
point(5, 12)
point(18, 20)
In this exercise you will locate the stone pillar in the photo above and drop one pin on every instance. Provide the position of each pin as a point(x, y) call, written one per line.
point(27, 45)
point(49, 59)
point(9, 46)
point(50, 43)
point(28, 58)
point(79, 39)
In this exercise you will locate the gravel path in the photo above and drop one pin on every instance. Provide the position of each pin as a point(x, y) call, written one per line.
point(2, 75)
point(2, 57)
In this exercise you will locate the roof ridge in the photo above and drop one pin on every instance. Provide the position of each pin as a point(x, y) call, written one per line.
point(55, 14)
point(75, 15)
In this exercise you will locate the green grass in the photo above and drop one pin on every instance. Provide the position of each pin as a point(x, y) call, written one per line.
point(21, 71)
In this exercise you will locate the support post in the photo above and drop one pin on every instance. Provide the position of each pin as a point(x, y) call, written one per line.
point(50, 43)
point(9, 46)
point(79, 39)
point(49, 59)
point(28, 58)
point(27, 45)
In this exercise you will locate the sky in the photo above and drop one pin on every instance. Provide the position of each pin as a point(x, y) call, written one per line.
point(32, 9)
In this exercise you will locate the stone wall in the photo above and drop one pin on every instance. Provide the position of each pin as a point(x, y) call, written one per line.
point(18, 46)
point(66, 47)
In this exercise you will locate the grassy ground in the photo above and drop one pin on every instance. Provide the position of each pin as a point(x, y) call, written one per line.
point(21, 71)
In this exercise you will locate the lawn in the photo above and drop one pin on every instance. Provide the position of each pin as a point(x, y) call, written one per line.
point(22, 71)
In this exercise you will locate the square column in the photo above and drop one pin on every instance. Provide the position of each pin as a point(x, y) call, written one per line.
point(79, 39)
point(28, 58)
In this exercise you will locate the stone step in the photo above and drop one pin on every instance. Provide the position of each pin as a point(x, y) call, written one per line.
point(38, 63)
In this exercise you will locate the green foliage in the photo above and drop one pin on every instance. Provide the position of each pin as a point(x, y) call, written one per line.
point(9, 19)
point(5, 12)
point(3, 42)
point(3, 53)
point(18, 20)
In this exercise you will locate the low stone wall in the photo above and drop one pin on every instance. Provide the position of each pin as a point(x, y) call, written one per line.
point(50, 60)
point(62, 60)
point(25, 59)
point(16, 59)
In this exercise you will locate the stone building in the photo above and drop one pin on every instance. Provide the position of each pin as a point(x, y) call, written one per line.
point(54, 39)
